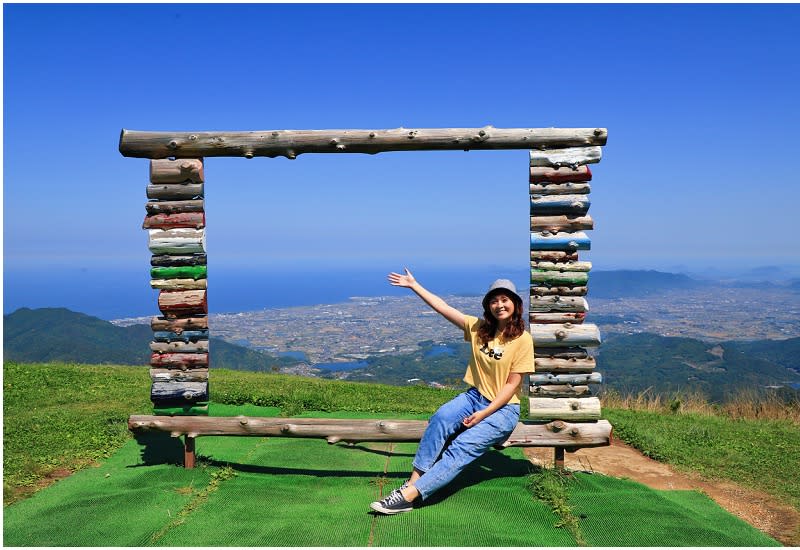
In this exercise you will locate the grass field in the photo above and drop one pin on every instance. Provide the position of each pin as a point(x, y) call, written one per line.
point(61, 418)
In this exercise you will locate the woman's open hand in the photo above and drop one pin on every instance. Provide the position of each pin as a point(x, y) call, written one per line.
point(407, 280)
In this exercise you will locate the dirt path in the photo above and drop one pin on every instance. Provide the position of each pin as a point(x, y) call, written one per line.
point(760, 510)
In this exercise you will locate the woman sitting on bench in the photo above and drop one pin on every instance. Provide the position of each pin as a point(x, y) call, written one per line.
point(484, 415)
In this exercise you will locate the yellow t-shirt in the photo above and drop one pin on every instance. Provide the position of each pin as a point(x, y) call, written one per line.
point(488, 373)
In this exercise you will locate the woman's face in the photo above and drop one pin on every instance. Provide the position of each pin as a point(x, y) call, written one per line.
point(501, 306)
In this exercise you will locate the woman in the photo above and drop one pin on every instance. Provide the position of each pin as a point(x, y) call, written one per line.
point(485, 414)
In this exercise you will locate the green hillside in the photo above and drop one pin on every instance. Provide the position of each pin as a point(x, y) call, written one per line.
point(59, 334)
point(632, 363)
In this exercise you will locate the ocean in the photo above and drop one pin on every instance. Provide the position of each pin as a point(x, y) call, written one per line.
point(115, 293)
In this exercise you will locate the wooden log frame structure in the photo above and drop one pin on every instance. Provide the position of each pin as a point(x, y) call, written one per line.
point(563, 413)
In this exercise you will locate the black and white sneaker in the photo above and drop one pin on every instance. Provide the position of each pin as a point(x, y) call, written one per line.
point(393, 504)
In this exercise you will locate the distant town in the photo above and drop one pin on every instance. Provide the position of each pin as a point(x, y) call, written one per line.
point(371, 326)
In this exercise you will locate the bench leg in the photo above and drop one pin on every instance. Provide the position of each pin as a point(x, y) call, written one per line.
point(558, 461)
point(188, 452)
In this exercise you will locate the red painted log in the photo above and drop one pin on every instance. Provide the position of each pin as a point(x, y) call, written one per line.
point(170, 221)
point(174, 207)
point(564, 174)
point(179, 360)
point(179, 325)
point(176, 171)
point(178, 303)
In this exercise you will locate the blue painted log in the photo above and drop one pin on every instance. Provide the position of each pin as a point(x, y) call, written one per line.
point(550, 205)
point(179, 393)
point(560, 241)
point(185, 336)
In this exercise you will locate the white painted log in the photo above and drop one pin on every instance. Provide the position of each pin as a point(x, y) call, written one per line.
point(573, 379)
point(562, 266)
point(177, 241)
point(526, 434)
point(566, 335)
point(568, 188)
point(177, 375)
point(569, 366)
point(179, 284)
point(200, 346)
point(579, 408)
point(571, 156)
point(559, 390)
point(566, 203)
point(559, 278)
point(558, 303)
point(290, 143)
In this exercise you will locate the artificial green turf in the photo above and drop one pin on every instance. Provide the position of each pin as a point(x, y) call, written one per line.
point(619, 512)
point(257, 491)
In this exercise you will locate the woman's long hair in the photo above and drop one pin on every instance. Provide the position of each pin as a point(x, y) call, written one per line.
point(514, 328)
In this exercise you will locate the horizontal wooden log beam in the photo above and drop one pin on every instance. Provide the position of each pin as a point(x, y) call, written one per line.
point(558, 366)
point(561, 223)
point(556, 205)
point(196, 220)
point(182, 272)
point(572, 157)
point(182, 303)
point(177, 241)
point(561, 317)
point(565, 174)
point(574, 379)
point(178, 325)
point(179, 284)
point(559, 278)
point(179, 360)
point(174, 207)
point(200, 346)
point(548, 408)
point(553, 256)
point(562, 266)
point(559, 390)
point(180, 392)
point(545, 290)
point(561, 353)
point(177, 375)
point(570, 242)
point(183, 336)
point(172, 260)
point(526, 434)
point(569, 188)
point(176, 171)
point(544, 304)
point(291, 143)
point(587, 335)
point(175, 191)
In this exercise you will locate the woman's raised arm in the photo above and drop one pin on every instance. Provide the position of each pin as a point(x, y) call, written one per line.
point(407, 280)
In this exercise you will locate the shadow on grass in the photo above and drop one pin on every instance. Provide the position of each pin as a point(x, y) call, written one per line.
point(158, 448)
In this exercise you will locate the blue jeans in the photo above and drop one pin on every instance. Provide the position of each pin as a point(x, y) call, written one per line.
point(439, 462)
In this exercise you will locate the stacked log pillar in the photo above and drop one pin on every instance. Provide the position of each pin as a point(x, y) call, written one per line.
point(175, 222)
point(560, 389)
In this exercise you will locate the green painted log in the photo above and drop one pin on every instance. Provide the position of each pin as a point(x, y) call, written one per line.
point(181, 272)
point(574, 278)
point(188, 410)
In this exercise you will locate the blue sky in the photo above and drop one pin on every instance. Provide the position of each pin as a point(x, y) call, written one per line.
point(700, 102)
